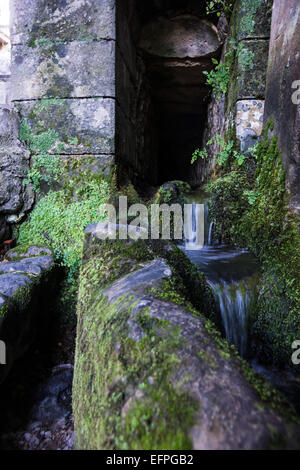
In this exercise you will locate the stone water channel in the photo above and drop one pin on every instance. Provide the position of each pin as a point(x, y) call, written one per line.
point(36, 381)
point(233, 274)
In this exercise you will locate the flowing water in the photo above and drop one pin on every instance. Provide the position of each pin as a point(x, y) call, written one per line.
point(232, 275)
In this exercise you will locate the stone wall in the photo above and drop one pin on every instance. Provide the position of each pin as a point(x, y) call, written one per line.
point(15, 198)
point(241, 113)
point(282, 98)
point(63, 78)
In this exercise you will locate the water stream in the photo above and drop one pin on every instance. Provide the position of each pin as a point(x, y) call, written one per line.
point(232, 275)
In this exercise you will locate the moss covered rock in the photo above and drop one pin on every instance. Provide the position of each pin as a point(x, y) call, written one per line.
point(151, 372)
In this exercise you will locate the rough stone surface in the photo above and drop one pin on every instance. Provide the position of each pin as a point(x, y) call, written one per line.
point(180, 37)
point(14, 164)
point(249, 122)
point(65, 20)
point(63, 81)
point(63, 71)
point(11, 283)
point(29, 266)
point(31, 251)
point(227, 412)
point(283, 71)
point(251, 80)
point(84, 126)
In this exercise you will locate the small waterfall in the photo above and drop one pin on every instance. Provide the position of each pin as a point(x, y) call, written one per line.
point(235, 300)
point(231, 274)
point(193, 221)
point(210, 233)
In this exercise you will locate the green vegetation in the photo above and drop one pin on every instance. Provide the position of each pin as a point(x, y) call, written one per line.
point(148, 416)
point(237, 52)
point(44, 169)
point(150, 419)
point(219, 6)
point(59, 219)
point(226, 151)
point(251, 210)
point(218, 78)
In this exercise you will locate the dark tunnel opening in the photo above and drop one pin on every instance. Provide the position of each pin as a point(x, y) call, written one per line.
point(165, 56)
point(180, 129)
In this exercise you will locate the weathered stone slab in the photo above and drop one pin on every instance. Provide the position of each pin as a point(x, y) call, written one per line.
point(25, 289)
point(29, 266)
point(69, 126)
point(63, 70)
point(9, 126)
point(125, 18)
point(41, 21)
point(249, 122)
point(251, 79)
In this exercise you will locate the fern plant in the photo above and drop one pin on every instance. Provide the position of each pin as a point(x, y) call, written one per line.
point(226, 151)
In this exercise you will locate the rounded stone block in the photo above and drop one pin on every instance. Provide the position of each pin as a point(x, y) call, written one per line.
point(180, 37)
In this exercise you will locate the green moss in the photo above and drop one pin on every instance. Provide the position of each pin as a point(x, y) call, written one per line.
point(259, 218)
point(152, 414)
point(38, 143)
point(22, 250)
point(4, 310)
point(229, 201)
point(172, 192)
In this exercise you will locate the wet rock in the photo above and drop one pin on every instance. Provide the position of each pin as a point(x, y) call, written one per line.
point(29, 265)
point(54, 398)
point(59, 21)
point(31, 251)
point(11, 283)
point(85, 69)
